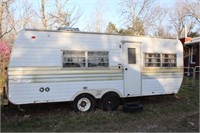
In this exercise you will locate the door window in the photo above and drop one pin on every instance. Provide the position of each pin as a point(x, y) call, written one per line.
point(131, 56)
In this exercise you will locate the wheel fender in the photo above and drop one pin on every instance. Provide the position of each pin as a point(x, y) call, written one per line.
point(97, 94)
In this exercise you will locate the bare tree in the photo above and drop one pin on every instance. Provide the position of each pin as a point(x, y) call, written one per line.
point(57, 15)
point(2, 10)
point(140, 15)
point(6, 19)
point(192, 8)
point(162, 27)
point(63, 17)
point(26, 15)
point(44, 19)
point(14, 17)
point(180, 17)
point(97, 22)
point(164, 30)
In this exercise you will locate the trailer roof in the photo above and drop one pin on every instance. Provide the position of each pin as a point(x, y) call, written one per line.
point(82, 32)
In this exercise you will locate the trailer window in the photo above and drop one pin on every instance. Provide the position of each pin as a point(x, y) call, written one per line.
point(152, 60)
point(98, 59)
point(74, 59)
point(169, 60)
point(131, 56)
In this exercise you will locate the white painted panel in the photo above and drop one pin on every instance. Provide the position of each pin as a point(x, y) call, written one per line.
point(35, 57)
point(115, 57)
point(160, 86)
point(45, 49)
point(29, 93)
point(63, 40)
point(88, 41)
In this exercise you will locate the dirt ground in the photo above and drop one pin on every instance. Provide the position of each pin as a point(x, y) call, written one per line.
point(160, 114)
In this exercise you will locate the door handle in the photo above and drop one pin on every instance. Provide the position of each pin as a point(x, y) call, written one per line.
point(126, 69)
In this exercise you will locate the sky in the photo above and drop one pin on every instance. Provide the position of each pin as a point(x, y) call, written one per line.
point(111, 10)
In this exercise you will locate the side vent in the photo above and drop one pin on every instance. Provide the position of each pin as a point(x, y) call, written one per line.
point(85, 87)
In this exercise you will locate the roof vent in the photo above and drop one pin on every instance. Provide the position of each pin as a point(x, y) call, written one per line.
point(68, 29)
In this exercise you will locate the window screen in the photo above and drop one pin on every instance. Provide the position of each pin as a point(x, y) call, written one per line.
point(98, 59)
point(160, 60)
point(131, 56)
point(74, 59)
point(169, 60)
point(152, 60)
point(85, 59)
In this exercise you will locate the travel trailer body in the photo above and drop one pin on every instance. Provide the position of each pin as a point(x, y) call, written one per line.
point(57, 66)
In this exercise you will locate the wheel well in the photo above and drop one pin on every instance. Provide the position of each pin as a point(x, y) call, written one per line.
point(85, 94)
point(111, 92)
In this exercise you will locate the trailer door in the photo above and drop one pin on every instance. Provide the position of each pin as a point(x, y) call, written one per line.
point(132, 69)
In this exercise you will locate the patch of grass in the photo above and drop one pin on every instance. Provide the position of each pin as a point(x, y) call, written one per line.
point(186, 103)
point(161, 113)
point(190, 122)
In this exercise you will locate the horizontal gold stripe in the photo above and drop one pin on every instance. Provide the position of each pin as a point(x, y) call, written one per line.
point(58, 68)
point(66, 80)
point(162, 76)
point(60, 71)
point(32, 68)
point(65, 76)
point(162, 70)
point(57, 74)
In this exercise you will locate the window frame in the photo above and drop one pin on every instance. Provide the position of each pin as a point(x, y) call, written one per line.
point(76, 57)
point(161, 58)
point(98, 67)
point(169, 58)
point(86, 59)
point(191, 55)
point(145, 58)
point(134, 57)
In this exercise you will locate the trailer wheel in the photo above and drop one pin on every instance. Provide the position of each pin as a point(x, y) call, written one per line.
point(132, 107)
point(109, 102)
point(83, 103)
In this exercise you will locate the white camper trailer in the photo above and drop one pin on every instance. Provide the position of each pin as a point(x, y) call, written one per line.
point(81, 67)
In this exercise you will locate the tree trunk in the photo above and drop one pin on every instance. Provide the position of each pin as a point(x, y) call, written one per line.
point(1, 19)
point(44, 21)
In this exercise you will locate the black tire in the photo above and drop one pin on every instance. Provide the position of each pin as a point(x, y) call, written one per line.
point(132, 107)
point(83, 103)
point(109, 102)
